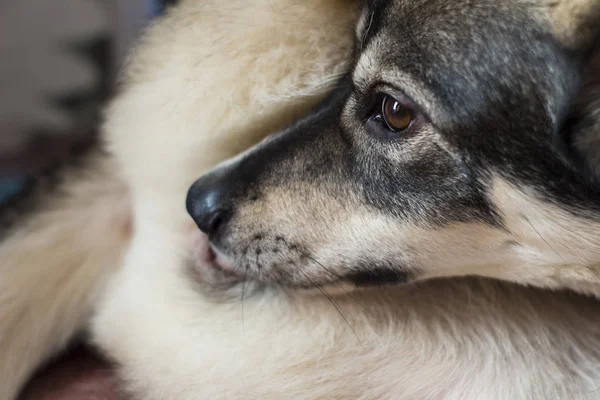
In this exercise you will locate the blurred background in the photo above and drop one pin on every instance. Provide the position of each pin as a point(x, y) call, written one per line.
point(58, 64)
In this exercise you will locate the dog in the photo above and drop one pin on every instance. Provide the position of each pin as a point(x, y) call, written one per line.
point(458, 140)
point(426, 163)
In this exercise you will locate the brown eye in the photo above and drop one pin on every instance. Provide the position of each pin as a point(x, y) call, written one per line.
point(396, 116)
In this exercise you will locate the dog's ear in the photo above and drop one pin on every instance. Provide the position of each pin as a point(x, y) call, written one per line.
point(576, 23)
point(581, 131)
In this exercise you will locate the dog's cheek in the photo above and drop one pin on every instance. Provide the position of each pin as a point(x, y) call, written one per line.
point(280, 232)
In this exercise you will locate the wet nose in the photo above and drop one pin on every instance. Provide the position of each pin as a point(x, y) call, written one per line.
point(209, 202)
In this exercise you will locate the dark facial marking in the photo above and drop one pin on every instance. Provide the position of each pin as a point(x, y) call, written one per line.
point(505, 82)
point(378, 276)
point(502, 88)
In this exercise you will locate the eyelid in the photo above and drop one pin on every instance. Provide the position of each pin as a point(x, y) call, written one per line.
point(385, 89)
point(367, 101)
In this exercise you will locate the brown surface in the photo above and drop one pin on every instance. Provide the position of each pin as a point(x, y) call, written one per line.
point(79, 375)
point(43, 152)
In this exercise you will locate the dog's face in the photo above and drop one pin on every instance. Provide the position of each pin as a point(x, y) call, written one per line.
point(443, 152)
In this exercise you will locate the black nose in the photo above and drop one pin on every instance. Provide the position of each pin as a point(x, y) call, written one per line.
point(209, 202)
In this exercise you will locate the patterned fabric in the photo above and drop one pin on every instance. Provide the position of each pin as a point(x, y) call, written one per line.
point(47, 66)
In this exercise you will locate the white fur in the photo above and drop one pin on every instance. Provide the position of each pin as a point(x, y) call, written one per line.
point(53, 268)
point(456, 340)
point(207, 81)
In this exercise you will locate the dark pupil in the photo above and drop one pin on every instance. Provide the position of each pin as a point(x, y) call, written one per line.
point(397, 117)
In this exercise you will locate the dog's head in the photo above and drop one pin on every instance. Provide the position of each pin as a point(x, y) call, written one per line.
point(450, 148)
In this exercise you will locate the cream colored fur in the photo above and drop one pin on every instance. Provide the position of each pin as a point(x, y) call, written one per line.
point(207, 81)
point(575, 22)
point(54, 265)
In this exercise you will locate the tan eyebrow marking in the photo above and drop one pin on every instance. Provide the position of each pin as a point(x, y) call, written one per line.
point(368, 28)
point(369, 70)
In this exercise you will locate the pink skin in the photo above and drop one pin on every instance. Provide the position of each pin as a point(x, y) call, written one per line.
point(207, 256)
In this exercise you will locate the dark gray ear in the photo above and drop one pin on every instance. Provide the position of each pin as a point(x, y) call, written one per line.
point(581, 131)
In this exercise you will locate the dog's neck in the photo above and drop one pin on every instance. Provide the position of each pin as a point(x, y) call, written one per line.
point(583, 133)
point(550, 246)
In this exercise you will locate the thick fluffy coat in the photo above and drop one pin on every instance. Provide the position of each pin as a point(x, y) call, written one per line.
point(207, 81)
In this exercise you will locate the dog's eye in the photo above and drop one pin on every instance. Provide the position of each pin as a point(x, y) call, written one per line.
point(396, 116)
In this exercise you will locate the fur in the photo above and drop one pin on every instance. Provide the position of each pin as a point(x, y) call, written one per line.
point(486, 179)
point(192, 97)
point(55, 262)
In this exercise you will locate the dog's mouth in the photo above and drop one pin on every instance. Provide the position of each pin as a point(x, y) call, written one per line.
point(207, 256)
point(219, 260)
point(210, 259)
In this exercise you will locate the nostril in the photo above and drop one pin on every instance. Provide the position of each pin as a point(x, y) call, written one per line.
point(215, 221)
point(208, 213)
point(208, 219)
point(208, 202)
